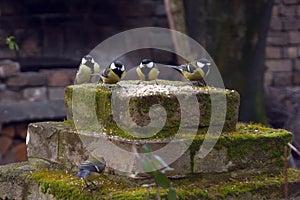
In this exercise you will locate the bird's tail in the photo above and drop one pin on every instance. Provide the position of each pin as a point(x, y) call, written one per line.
point(177, 68)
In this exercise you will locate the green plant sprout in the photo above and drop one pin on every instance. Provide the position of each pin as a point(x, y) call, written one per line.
point(11, 43)
point(151, 165)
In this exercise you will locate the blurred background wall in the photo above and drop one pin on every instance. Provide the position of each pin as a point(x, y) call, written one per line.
point(53, 35)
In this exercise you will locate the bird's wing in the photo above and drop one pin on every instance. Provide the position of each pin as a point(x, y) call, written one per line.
point(106, 72)
point(177, 68)
point(88, 165)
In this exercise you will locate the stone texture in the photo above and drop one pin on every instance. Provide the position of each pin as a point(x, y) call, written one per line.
point(275, 24)
point(277, 38)
point(21, 130)
point(8, 68)
point(60, 78)
point(56, 93)
point(5, 144)
point(297, 65)
point(294, 37)
point(141, 98)
point(10, 96)
point(283, 79)
point(279, 65)
point(288, 2)
point(27, 79)
point(48, 140)
point(291, 24)
point(63, 144)
point(16, 184)
point(35, 93)
point(289, 11)
point(8, 131)
point(296, 78)
point(273, 52)
point(31, 110)
point(268, 79)
point(19, 150)
point(291, 52)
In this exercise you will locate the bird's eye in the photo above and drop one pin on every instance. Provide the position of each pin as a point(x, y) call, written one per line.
point(150, 65)
point(113, 66)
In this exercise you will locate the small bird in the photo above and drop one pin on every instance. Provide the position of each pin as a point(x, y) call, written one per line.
point(113, 73)
point(195, 71)
point(147, 70)
point(91, 169)
point(87, 68)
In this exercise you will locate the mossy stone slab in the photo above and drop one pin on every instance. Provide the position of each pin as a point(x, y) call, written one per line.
point(131, 108)
point(250, 150)
point(38, 179)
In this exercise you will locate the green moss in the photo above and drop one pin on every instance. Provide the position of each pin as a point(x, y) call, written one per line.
point(251, 141)
point(64, 185)
point(96, 98)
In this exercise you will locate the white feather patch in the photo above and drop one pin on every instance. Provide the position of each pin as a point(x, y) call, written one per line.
point(141, 65)
point(200, 64)
point(150, 65)
point(113, 66)
point(123, 68)
point(83, 61)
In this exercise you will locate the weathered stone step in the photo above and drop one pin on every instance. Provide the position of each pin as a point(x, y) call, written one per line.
point(248, 151)
point(132, 109)
point(37, 179)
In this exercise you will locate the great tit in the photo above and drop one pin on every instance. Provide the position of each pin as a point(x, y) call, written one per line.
point(195, 71)
point(113, 73)
point(91, 169)
point(147, 70)
point(87, 68)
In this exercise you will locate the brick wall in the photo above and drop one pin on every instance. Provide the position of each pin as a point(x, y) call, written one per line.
point(282, 76)
point(53, 35)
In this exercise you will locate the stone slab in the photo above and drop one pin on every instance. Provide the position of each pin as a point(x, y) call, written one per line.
point(20, 111)
point(164, 107)
point(251, 150)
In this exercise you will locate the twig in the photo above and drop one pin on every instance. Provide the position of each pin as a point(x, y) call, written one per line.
point(294, 148)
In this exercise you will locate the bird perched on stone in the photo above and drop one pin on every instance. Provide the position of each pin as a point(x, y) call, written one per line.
point(87, 68)
point(113, 73)
point(91, 169)
point(147, 70)
point(195, 71)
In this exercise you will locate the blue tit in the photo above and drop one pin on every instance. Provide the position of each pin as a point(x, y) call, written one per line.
point(91, 169)
point(147, 70)
point(113, 73)
point(87, 68)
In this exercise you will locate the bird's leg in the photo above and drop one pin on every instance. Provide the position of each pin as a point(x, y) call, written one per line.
point(139, 82)
point(95, 186)
point(156, 82)
point(87, 185)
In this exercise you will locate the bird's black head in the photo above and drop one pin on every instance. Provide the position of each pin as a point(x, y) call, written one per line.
point(204, 64)
point(88, 61)
point(118, 67)
point(146, 61)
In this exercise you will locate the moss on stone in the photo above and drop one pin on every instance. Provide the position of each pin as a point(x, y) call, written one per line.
point(96, 98)
point(64, 185)
point(251, 142)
